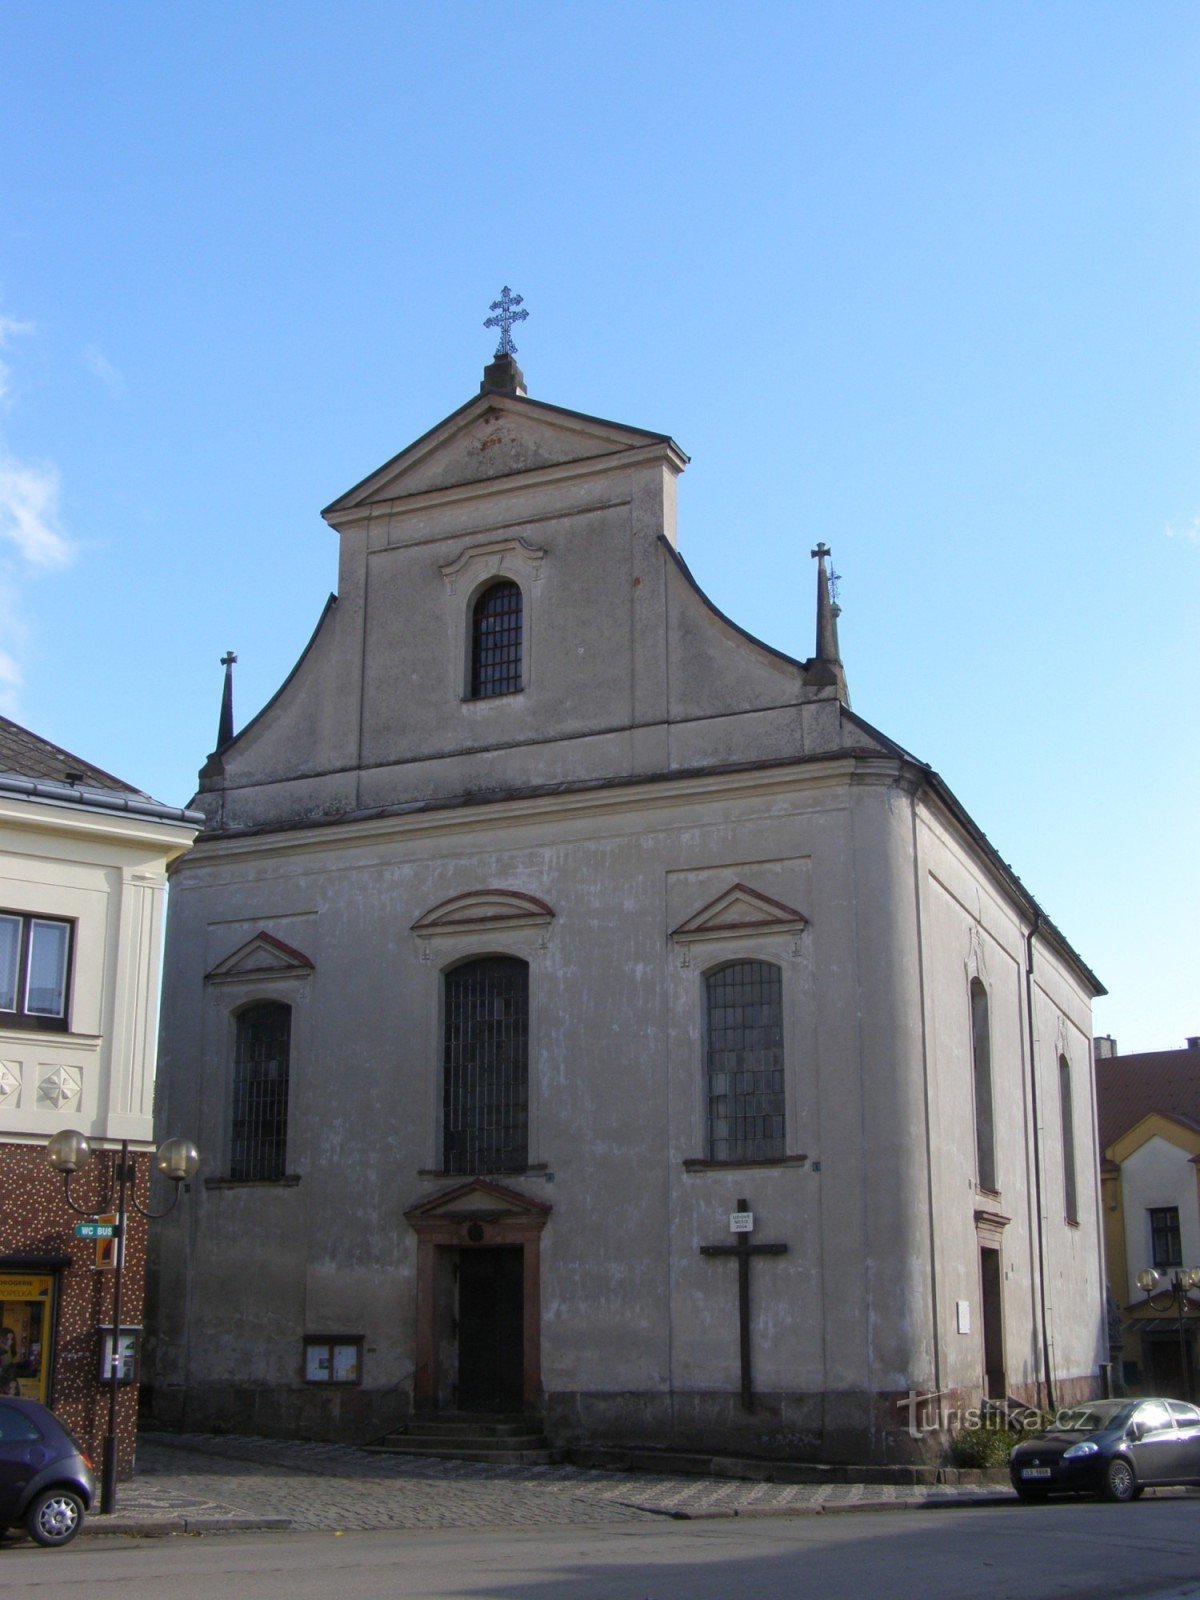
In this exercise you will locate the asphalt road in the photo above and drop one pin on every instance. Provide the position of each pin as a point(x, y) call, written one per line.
point(1028, 1553)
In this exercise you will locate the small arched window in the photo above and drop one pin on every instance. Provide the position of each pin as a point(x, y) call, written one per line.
point(1067, 1114)
point(485, 1066)
point(496, 640)
point(981, 1056)
point(262, 1059)
point(744, 1062)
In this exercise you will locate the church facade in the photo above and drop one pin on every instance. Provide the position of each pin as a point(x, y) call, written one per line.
point(545, 929)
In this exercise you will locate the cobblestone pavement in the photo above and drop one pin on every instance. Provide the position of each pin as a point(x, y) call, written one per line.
point(207, 1478)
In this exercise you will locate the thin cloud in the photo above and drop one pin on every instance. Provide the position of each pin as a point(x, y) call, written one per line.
point(1189, 532)
point(31, 538)
point(8, 329)
point(29, 513)
point(101, 367)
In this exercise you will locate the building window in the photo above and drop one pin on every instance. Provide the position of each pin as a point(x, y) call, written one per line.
point(1070, 1190)
point(485, 1096)
point(1166, 1247)
point(496, 628)
point(35, 966)
point(981, 1057)
point(744, 1057)
point(258, 1148)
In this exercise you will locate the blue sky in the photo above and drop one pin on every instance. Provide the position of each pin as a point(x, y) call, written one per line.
point(919, 280)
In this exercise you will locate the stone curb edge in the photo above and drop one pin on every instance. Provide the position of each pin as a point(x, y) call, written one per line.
point(158, 1527)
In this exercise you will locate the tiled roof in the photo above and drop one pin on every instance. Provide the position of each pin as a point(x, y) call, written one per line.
point(1129, 1088)
point(25, 755)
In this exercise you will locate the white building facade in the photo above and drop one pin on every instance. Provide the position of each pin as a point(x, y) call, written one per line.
point(542, 919)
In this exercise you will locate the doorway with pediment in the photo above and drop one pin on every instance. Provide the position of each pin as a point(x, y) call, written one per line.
point(478, 1313)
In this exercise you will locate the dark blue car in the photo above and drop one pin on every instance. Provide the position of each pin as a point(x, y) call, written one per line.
point(1111, 1448)
point(45, 1478)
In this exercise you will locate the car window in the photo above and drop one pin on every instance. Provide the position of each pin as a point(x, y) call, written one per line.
point(1185, 1415)
point(15, 1426)
point(1089, 1418)
point(1152, 1416)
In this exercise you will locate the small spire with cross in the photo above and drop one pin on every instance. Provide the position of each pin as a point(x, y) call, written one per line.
point(827, 653)
point(506, 314)
point(225, 725)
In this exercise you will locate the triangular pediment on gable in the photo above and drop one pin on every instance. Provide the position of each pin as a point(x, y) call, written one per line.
point(264, 956)
point(478, 1200)
point(740, 910)
point(482, 910)
point(497, 436)
point(1177, 1130)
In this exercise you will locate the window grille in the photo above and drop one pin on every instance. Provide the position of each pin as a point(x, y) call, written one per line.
point(258, 1149)
point(1165, 1243)
point(1067, 1117)
point(981, 1057)
point(485, 1110)
point(496, 628)
point(745, 1063)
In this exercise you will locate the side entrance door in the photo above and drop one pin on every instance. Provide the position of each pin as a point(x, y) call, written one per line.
point(491, 1329)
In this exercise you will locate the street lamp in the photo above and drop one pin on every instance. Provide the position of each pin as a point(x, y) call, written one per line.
point(69, 1152)
point(1181, 1282)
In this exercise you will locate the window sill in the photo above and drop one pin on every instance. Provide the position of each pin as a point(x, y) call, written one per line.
point(740, 1166)
point(987, 1194)
point(288, 1181)
point(467, 1177)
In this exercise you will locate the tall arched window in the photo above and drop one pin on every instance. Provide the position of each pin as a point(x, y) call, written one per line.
point(485, 1063)
point(981, 1055)
point(258, 1145)
point(496, 636)
point(1067, 1113)
point(744, 1062)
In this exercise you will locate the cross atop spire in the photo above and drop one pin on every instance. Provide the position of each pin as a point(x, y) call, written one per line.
point(827, 652)
point(507, 314)
point(225, 725)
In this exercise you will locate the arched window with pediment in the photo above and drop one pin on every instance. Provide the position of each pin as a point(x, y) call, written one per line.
point(261, 1068)
point(497, 633)
point(485, 1066)
point(744, 1062)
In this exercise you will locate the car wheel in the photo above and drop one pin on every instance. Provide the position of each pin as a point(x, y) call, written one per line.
point(55, 1517)
point(1119, 1481)
point(1030, 1497)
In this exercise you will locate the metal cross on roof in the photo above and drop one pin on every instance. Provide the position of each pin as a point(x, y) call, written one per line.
point(508, 314)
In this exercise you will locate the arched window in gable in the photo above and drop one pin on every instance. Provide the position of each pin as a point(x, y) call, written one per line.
point(485, 1066)
point(981, 1057)
point(497, 625)
point(744, 1062)
point(261, 1066)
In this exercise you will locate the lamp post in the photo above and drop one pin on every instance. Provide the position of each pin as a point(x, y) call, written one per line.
point(1181, 1282)
point(69, 1152)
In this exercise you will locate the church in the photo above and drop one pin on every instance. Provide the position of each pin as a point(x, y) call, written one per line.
point(585, 1015)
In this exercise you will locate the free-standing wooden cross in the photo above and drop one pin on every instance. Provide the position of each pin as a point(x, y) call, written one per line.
point(741, 1252)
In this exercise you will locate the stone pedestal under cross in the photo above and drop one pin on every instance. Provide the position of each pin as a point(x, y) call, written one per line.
point(741, 1251)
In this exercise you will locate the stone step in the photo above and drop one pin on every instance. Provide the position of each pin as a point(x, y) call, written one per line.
point(498, 1455)
point(479, 1428)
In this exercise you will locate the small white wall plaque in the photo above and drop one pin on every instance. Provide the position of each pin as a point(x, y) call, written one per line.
point(741, 1222)
point(963, 1308)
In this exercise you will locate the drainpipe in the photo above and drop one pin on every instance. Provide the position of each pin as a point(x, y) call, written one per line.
point(1037, 1156)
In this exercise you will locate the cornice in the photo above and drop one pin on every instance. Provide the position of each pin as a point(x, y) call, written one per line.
point(656, 793)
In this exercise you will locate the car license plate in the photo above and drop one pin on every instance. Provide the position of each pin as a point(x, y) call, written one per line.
point(1035, 1472)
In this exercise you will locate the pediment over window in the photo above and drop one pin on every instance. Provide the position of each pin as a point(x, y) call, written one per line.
point(483, 911)
point(510, 558)
point(264, 956)
point(740, 910)
point(478, 1201)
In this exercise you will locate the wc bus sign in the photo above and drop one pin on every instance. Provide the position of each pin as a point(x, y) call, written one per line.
point(95, 1230)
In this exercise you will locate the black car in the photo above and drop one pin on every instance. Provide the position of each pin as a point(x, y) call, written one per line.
point(1112, 1448)
point(45, 1477)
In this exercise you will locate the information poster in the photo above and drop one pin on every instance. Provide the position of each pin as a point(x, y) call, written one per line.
point(26, 1301)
